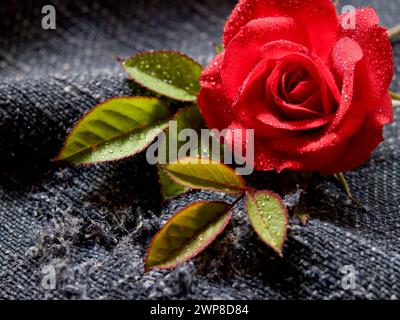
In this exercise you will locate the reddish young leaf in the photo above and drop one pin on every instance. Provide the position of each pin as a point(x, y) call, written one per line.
point(187, 234)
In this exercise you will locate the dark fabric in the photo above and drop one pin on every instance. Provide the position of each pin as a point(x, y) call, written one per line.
point(93, 224)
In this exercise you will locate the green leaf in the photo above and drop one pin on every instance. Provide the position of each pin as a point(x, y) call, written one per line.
point(187, 234)
point(169, 188)
point(395, 95)
point(269, 217)
point(169, 73)
point(185, 118)
point(188, 117)
point(115, 129)
point(191, 117)
point(199, 173)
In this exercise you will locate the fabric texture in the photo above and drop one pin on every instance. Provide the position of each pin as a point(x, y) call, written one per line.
point(93, 224)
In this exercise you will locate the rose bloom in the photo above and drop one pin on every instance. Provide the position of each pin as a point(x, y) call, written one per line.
point(313, 87)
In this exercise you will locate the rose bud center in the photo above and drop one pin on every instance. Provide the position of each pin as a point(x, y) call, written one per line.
point(297, 89)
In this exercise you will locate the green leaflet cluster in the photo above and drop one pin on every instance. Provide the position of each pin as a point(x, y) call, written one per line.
point(124, 126)
point(266, 210)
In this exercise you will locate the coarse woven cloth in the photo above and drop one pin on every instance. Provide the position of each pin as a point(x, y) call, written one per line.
point(93, 224)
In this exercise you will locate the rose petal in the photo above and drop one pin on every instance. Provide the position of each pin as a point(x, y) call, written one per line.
point(293, 144)
point(270, 120)
point(243, 52)
point(318, 16)
point(358, 149)
point(378, 55)
point(382, 110)
point(252, 110)
point(266, 158)
point(211, 75)
point(302, 91)
point(345, 56)
point(213, 104)
point(349, 116)
point(314, 65)
point(301, 111)
point(363, 143)
point(214, 108)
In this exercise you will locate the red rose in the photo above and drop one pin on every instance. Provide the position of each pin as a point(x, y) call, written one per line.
point(315, 92)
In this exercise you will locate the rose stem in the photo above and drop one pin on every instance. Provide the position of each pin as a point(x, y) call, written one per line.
point(237, 200)
point(395, 96)
point(394, 32)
